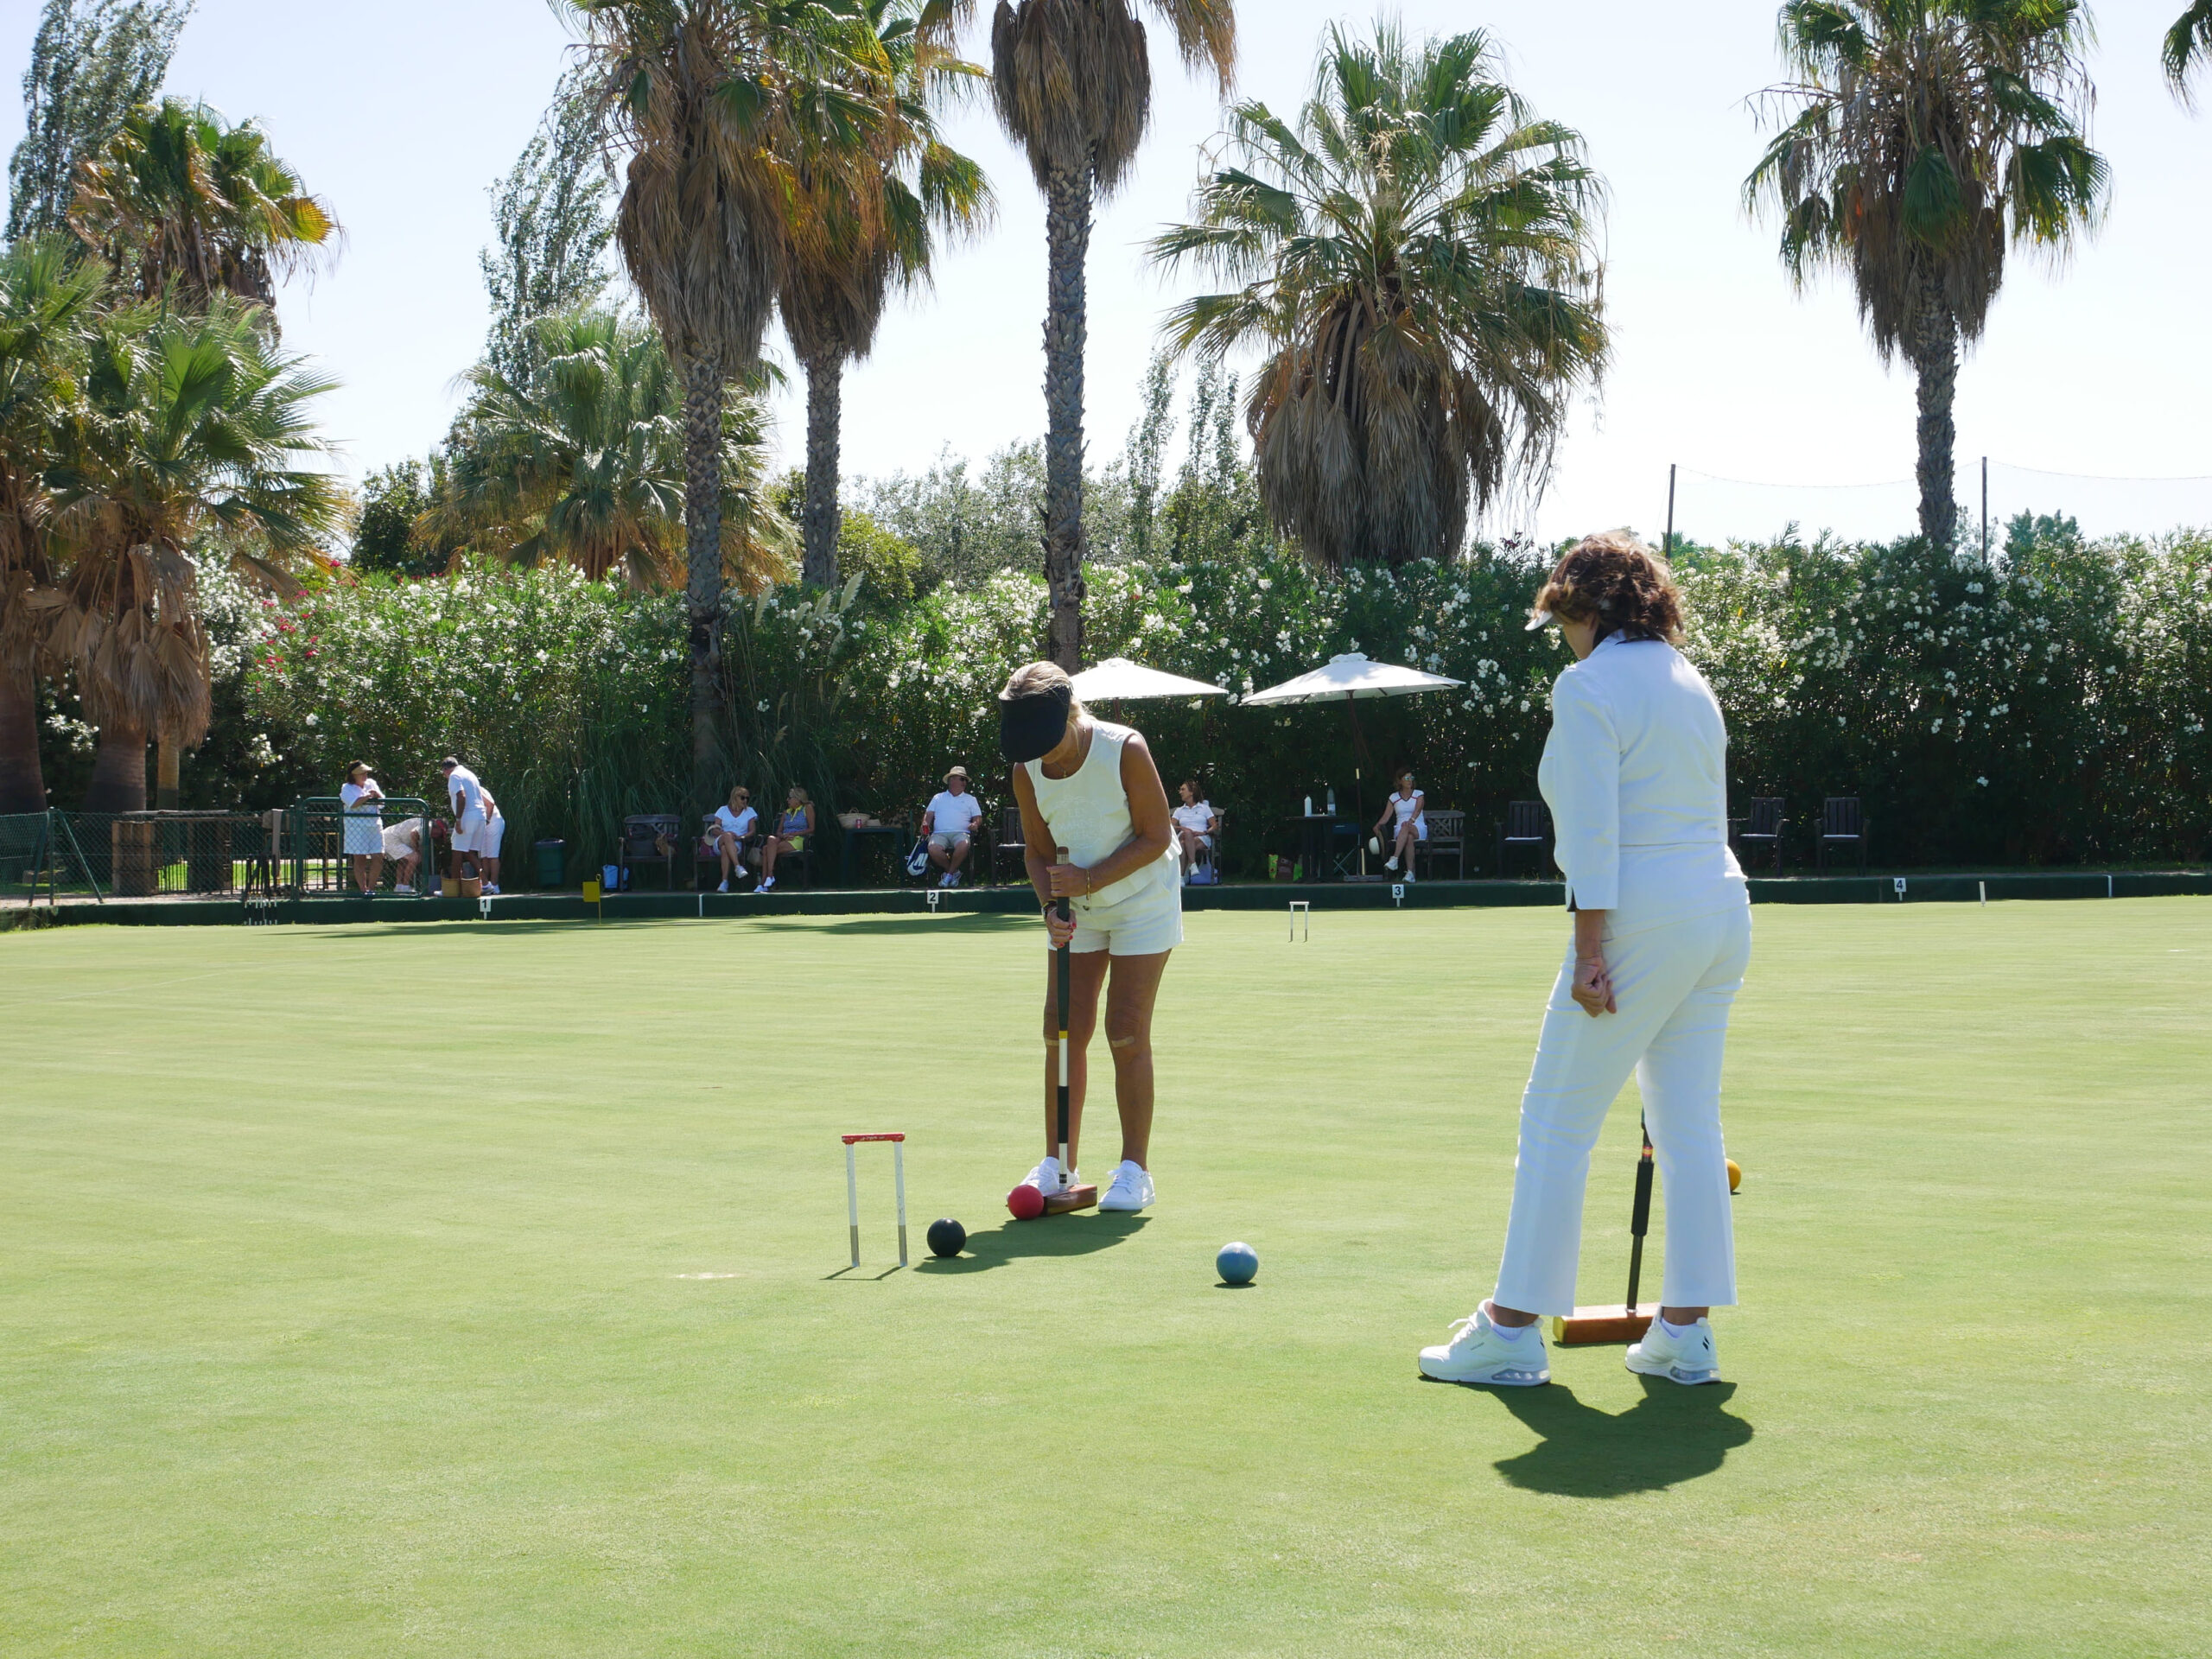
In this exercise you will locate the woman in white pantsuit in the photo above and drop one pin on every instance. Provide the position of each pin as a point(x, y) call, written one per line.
point(1635, 773)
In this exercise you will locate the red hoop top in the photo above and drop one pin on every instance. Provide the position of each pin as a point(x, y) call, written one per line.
point(850, 1138)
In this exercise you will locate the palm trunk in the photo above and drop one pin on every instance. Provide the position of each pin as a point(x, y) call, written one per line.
point(825, 400)
point(22, 783)
point(168, 755)
point(1068, 198)
point(119, 771)
point(1936, 356)
point(703, 526)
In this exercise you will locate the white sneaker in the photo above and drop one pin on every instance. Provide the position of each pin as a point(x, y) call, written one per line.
point(724, 888)
point(1391, 862)
point(403, 892)
point(1688, 1359)
point(490, 887)
point(1479, 1352)
point(1046, 1177)
point(952, 878)
point(765, 885)
point(1130, 1188)
point(1410, 876)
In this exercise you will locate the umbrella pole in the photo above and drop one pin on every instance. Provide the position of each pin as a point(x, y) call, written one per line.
point(1360, 760)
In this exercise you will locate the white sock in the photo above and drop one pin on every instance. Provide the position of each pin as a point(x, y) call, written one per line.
point(1677, 1330)
point(1510, 1332)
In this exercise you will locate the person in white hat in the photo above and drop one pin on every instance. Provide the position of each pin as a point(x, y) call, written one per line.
point(466, 796)
point(1634, 772)
point(948, 826)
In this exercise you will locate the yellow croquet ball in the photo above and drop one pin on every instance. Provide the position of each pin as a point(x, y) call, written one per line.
point(1735, 1174)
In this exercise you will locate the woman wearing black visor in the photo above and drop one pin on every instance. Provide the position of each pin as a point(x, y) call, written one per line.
point(1096, 824)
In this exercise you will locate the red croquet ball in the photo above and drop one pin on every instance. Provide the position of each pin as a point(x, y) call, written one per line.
point(1025, 1202)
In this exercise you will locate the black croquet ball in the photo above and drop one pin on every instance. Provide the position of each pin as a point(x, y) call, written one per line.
point(947, 1238)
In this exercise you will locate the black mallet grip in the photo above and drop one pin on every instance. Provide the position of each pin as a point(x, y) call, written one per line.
point(1639, 1221)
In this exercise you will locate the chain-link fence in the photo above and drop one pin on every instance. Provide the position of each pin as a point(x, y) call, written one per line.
point(316, 847)
point(329, 850)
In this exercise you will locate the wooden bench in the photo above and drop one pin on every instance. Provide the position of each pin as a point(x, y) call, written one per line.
point(1447, 838)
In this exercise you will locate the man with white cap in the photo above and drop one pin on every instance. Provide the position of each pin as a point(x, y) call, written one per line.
point(948, 826)
point(467, 795)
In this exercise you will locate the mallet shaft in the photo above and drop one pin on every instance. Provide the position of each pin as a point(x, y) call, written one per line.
point(1061, 971)
point(1639, 1221)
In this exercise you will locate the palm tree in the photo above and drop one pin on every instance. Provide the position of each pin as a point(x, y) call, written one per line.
point(583, 462)
point(1415, 257)
point(48, 294)
point(1073, 85)
point(189, 443)
point(865, 226)
point(1930, 136)
point(2187, 43)
point(178, 197)
point(714, 97)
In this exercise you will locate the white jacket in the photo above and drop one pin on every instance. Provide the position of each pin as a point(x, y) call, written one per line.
point(1634, 772)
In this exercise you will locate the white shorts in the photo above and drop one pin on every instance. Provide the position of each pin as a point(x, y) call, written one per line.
point(364, 835)
point(488, 838)
point(467, 828)
point(1144, 925)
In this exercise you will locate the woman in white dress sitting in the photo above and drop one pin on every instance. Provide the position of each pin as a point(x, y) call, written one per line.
point(363, 799)
point(1408, 807)
point(727, 831)
point(1196, 825)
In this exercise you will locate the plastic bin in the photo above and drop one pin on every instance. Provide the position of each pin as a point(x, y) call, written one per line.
point(552, 863)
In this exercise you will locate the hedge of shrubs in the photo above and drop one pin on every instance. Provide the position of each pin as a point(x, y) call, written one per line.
point(2049, 707)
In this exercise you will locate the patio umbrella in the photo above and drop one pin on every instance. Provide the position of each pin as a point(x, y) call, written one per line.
point(1347, 678)
point(1119, 680)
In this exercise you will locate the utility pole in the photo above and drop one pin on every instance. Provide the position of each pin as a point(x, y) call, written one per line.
point(1670, 511)
point(1985, 509)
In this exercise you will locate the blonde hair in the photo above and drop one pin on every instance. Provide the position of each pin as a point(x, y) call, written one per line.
point(804, 799)
point(1040, 679)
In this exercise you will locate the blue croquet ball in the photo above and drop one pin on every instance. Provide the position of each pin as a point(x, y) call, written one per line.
point(947, 1238)
point(1236, 1264)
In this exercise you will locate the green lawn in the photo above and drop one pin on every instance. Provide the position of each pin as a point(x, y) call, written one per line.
point(473, 1290)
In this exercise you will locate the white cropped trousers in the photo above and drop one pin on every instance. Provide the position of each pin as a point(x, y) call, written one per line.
point(1674, 986)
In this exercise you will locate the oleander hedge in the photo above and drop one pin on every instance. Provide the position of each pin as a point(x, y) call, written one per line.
point(2048, 707)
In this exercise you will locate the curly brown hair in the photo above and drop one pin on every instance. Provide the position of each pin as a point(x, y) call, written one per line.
point(1616, 583)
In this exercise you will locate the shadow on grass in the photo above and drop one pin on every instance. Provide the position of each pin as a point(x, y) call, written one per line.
point(1672, 1436)
point(982, 921)
point(1081, 1234)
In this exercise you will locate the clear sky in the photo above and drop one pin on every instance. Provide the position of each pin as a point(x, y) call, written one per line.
point(403, 114)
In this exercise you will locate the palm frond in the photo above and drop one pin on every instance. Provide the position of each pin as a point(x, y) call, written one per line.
point(1416, 255)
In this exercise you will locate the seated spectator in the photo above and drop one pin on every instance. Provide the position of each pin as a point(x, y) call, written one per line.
point(949, 826)
point(792, 831)
point(402, 845)
point(1409, 806)
point(728, 831)
point(1196, 824)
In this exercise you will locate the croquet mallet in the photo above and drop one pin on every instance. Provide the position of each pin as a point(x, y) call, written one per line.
point(1589, 1325)
point(1075, 1198)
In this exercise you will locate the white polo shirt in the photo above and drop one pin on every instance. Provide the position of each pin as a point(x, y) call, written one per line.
point(954, 814)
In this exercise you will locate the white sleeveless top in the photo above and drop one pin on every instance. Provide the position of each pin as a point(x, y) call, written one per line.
point(1088, 814)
